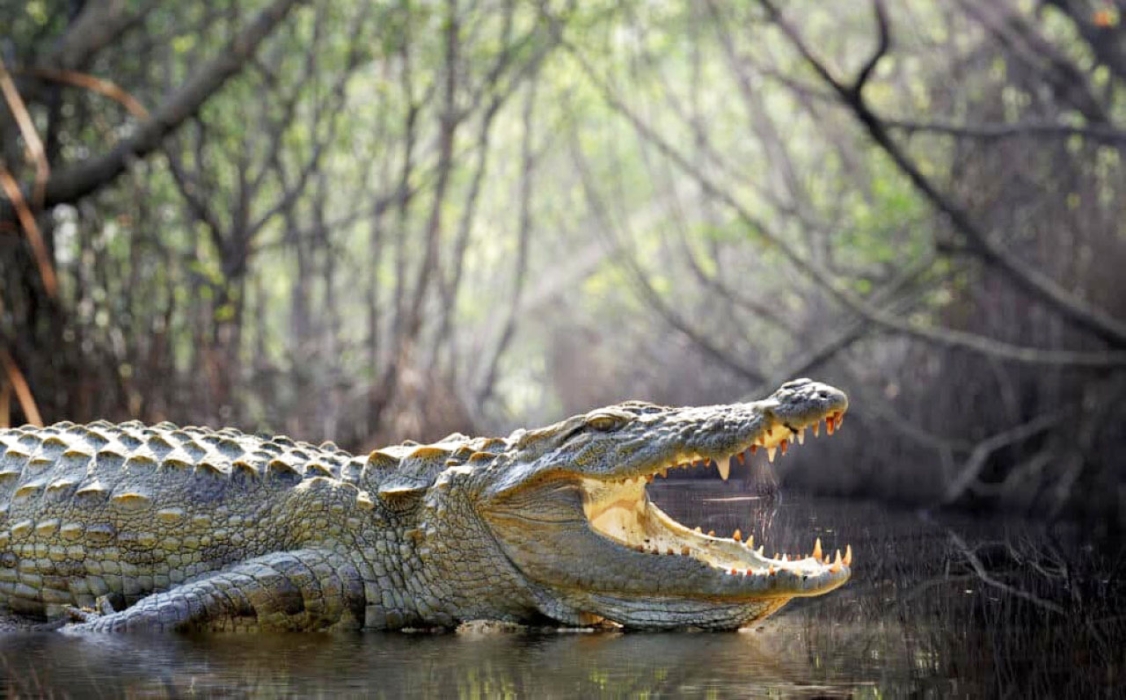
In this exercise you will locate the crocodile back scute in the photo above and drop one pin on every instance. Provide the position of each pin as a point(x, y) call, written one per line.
point(126, 509)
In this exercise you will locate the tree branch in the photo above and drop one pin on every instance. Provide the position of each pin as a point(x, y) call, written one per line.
point(97, 25)
point(989, 580)
point(72, 184)
point(1027, 278)
point(943, 337)
point(641, 282)
point(882, 44)
point(15, 379)
point(43, 260)
point(991, 132)
point(981, 452)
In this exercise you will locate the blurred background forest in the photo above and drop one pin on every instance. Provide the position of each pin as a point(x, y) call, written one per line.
point(368, 221)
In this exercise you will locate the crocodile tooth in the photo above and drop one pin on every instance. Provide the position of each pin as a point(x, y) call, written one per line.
point(760, 550)
point(698, 531)
point(724, 468)
point(754, 448)
point(840, 420)
point(801, 436)
point(711, 533)
point(737, 536)
point(751, 541)
point(816, 428)
point(848, 554)
point(741, 456)
point(829, 425)
point(785, 445)
point(817, 550)
point(770, 453)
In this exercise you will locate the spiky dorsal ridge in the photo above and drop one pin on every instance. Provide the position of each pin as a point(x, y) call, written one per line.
point(88, 460)
point(82, 459)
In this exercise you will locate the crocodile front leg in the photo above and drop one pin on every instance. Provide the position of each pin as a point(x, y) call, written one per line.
point(303, 590)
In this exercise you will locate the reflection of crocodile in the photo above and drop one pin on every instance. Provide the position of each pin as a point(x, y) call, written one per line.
point(200, 529)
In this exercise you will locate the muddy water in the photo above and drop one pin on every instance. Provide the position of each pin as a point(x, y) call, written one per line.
point(938, 607)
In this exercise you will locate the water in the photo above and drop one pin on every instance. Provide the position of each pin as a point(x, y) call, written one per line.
point(937, 607)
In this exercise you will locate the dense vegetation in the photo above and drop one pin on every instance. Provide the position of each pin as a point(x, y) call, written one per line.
point(367, 221)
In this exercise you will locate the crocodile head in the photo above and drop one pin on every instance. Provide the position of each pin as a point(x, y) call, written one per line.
point(568, 506)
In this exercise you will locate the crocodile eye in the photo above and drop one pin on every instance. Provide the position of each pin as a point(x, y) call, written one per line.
point(605, 422)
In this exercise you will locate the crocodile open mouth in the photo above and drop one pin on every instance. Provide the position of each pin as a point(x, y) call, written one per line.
point(622, 512)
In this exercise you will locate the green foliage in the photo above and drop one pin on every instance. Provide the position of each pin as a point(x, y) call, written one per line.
point(651, 193)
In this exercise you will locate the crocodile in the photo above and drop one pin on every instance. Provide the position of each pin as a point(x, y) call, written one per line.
point(116, 527)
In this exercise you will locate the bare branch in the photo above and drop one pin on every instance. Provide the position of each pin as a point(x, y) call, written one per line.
point(31, 229)
point(106, 88)
point(198, 201)
point(84, 178)
point(981, 452)
point(524, 230)
point(1026, 277)
point(887, 297)
point(35, 151)
point(945, 337)
point(97, 25)
point(882, 44)
point(989, 580)
point(16, 380)
point(991, 132)
point(641, 281)
point(1031, 48)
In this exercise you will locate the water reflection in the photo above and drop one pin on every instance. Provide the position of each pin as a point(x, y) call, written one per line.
point(936, 609)
point(391, 665)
